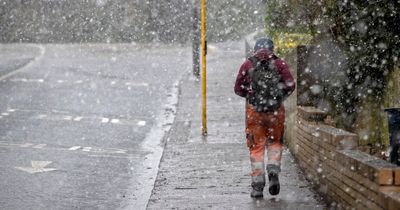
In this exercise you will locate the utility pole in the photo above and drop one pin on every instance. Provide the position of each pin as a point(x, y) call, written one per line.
point(203, 67)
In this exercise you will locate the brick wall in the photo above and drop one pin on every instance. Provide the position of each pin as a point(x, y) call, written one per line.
point(291, 102)
point(347, 177)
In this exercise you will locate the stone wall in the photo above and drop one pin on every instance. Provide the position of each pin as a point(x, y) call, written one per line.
point(348, 178)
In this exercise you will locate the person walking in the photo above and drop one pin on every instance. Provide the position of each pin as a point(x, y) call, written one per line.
point(265, 81)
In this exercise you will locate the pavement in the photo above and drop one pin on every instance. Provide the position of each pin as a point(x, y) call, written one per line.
point(213, 172)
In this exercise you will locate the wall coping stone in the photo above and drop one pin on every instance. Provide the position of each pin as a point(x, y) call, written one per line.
point(371, 167)
point(391, 197)
point(311, 113)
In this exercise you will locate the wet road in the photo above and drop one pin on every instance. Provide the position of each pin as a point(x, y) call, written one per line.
point(81, 125)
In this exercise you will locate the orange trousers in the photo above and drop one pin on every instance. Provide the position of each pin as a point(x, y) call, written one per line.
point(264, 130)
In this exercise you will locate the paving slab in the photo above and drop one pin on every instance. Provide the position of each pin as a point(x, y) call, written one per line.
point(213, 172)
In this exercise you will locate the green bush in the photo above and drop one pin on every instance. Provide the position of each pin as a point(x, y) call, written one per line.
point(366, 31)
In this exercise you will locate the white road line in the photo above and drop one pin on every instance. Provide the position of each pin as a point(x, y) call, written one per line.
point(115, 156)
point(89, 150)
point(86, 149)
point(41, 116)
point(27, 110)
point(78, 118)
point(75, 148)
point(115, 121)
point(105, 120)
point(67, 118)
point(18, 80)
point(40, 56)
point(58, 111)
point(141, 123)
point(61, 115)
point(109, 150)
point(78, 82)
point(143, 84)
point(39, 146)
point(118, 151)
point(26, 145)
point(7, 144)
point(27, 80)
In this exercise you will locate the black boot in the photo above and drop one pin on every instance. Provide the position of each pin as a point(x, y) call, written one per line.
point(257, 191)
point(274, 186)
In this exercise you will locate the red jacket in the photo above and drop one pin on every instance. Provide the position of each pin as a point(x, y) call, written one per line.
point(242, 85)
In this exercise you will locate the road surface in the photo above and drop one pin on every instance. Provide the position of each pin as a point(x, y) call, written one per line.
point(81, 125)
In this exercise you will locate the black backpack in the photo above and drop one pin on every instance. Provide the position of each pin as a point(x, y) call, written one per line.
point(267, 90)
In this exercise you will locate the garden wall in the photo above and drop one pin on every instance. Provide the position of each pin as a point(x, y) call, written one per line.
point(347, 178)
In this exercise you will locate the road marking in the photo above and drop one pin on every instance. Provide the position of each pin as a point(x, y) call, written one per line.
point(64, 115)
point(141, 123)
point(78, 118)
point(115, 121)
point(113, 82)
point(60, 81)
point(114, 156)
point(78, 82)
point(86, 149)
point(37, 167)
point(27, 80)
point(39, 146)
point(19, 80)
point(89, 150)
point(67, 118)
point(74, 148)
point(7, 144)
point(108, 150)
point(143, 84)
point(37, 58)
point(105, 120)
point(118, 151)
point(41, 116)
point(58, 111)
point(26, 145)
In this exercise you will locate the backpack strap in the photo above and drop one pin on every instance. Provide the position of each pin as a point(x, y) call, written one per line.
point(253, 60)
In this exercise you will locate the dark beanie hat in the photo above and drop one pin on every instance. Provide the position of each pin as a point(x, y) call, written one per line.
point(264, 43)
